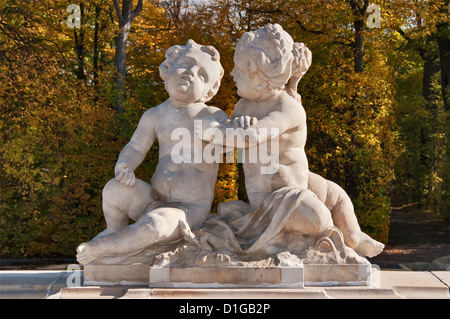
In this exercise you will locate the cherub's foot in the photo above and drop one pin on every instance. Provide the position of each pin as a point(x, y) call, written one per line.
point(364, 245)
point(85, 255)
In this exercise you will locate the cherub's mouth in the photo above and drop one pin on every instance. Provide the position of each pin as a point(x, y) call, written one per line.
point(184, 83)
point(185, 80)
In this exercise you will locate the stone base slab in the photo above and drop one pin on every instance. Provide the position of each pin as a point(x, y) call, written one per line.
point(123, 292)
point(338, 275)
point(128, 274)
point(223, 277)
point(390, 285)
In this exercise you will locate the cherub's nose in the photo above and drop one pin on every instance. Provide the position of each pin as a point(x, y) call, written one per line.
point(191, 71)
point(233, 72)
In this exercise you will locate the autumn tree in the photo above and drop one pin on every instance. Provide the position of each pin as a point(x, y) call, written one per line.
point(56, 139)
point(125, 15)
point(422, 76)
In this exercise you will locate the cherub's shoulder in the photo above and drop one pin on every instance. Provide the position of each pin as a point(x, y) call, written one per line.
point(287, 100)
point(212, 111)
point(240, 107)
point(289, 104)
point(153, 114)
point(154, 111)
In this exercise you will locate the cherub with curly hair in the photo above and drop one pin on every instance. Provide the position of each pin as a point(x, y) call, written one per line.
point(268, 67)
point(179, 192)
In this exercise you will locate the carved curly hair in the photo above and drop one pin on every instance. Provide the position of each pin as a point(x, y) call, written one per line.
point(270, 57)
point(174, 52)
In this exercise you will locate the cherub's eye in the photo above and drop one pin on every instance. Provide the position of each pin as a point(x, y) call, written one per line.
point(203, 76)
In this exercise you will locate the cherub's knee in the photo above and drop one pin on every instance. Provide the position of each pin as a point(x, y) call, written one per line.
point(111, 185)
point(311, 216)
point(112, 191)
point(115, 191)
point(162, 224)
point(324, 220)
point(322, 216)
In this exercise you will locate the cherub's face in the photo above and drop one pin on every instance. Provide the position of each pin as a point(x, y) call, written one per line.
point(191, 76)
point(243, 84)
point(249, 88)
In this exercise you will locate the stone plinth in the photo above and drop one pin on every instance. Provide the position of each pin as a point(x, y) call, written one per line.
point(337, 275)
point(216, 277)
point(390, 285)
point(119, 274)
point(225, 277)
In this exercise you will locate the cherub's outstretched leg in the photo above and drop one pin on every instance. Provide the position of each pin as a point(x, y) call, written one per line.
point(157, 226)
point(120, 203)
point(344, 218)
point(343, 214)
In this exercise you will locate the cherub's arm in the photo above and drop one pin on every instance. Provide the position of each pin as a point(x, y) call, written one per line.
point(245, 132)
point(133, 154)
point(210, 123)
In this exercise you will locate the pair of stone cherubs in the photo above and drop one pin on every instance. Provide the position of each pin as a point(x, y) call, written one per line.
point(268, 66)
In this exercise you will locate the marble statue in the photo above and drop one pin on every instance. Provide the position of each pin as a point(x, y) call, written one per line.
point(293, 216)
point(268, 67)
point(178, 192)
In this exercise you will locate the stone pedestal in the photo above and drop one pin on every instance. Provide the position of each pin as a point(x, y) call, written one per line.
point(338, 274)
point(387, 285)
point(227, 277)
point(119, 274)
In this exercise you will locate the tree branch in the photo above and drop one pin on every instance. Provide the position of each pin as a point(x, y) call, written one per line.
point(365, 6)
point(137, 10)
point(403, 34)
point(279, 11)
point(300, 24)
point(357, 9)
point(119, 12)
point(354, 5)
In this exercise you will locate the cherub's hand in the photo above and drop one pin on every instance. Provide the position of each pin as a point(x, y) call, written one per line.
point(124, 174)
point(244, 121)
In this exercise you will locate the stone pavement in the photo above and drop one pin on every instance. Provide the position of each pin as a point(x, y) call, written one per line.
point(32, 284)
point(41, 284)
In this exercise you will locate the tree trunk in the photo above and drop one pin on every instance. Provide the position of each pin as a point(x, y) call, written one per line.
point(443, 41)
point(359, 12)
point(79, 46)
point(430, 69)
point(352, 178)
point(430, 148)
point(121, 68)
point(126, 16)
point(359, 45)
point(96, 50)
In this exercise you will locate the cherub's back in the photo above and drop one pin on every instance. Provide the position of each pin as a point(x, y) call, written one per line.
point(292, 167)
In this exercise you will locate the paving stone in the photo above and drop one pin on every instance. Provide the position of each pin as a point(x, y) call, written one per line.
point(443, 276)
point(391, 285)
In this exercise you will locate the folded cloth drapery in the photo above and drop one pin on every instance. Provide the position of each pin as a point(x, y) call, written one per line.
point(238, 229)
